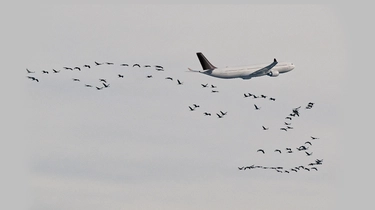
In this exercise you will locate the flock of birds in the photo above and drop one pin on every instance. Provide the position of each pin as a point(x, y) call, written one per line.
point(305, 148)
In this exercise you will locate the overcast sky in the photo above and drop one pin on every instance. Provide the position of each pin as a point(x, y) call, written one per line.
point(136, 145)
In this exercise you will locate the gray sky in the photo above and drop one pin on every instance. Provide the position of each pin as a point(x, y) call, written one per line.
point(136, 145)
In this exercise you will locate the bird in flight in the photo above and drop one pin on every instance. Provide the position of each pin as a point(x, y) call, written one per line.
point(308, 142)
point(256, 107)
point(105, 85)
point(124, 64)
point(136, 64)
point(272, 99)
point(179, 82)
point(312, 137)
point(308, 154)
point(170, 78)
point(264, 128)
point(77, 68)
point(207, 114)
point(98, 63)
point(29, 72)
point(87, 66)
point(76, 80)
point(223, 113)
point(284, 129)
point(191, 108)
point(204, 85)
point(103, 80)
point(55, 71)
point(220, 116)
point(120, 76)
point(277, 150)
point(149, 76)
point(261, 150)
point(33, 78)
point(45, 72)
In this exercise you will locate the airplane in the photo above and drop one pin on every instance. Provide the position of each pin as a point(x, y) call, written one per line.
point(245, 72)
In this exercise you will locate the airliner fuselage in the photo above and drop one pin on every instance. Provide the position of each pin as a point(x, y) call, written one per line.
point(245, 72)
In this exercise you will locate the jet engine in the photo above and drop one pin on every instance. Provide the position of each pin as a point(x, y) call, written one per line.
point(273, 73)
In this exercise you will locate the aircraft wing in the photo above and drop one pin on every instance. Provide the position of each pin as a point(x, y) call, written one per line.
point(264, 70)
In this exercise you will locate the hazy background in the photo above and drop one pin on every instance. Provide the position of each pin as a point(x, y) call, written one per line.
point(137, 145)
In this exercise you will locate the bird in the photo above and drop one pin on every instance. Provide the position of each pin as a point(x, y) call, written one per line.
point(170, 78)
point(99, 88)
point(136, 64)
point(289, 127)
point(314, 168)
point(312, 137)
point(109, 63)
point(288, 118)
point(77, 68)
point(76, 80)
point(254, 96)
point(214, 91)
point(260, 150)
point(98, 63)
point(318, 162)
point(272, 99)
point(120, 76)
point(103, 80)
point(293, 170)
point(287, 123)
point(204, 85)
point(87, 66)
point(286, 171)
point(307, 169)
point(223, 113)
point(146, 66)
point(45, 72)
point(220, 116)
point(191, 108)
point(179, 82)
point(264, 128)
point(241, 168)
point(124, 64)
point(159, 68)
point(308, 142)
point(256, 107)
point(87, 85)
point(55, 71)
point(213, 86)
point(263, 96)
point(277, 150)
point(29, 72)
point(308, 154)
point(68, 68)
point(302, 148)
point(284, 129)
point(245, 95)
point(207, 114)
point(33, 78)
point(149, 76)
point(196, 105)
point(105, 85)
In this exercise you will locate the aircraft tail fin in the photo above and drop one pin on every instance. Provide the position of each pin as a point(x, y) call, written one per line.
point(206, 65)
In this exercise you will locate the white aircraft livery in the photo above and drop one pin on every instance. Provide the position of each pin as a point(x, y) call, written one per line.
point(245, 72)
